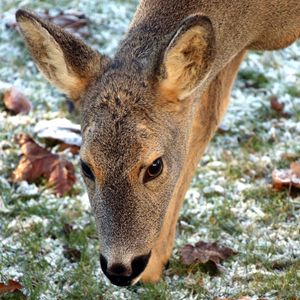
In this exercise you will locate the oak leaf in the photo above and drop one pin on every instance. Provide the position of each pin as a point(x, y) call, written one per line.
point(37, 162)
point(10, 287)
point(16, 102)
point(72, 254)
point(73, 21)
point(276, 105)
point(287, 178)
point(203, 253)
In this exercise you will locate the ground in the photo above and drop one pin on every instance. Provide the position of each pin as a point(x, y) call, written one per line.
point(231, 199)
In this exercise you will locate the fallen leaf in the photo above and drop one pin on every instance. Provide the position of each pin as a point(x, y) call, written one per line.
point(243, 298)
point(203, 253)
point(276, 105)
point(72, 254)
point(73, 21)
point(290, 156)
point(16, 102)
point(72, 148)
point(62, 176)
point(10, 287)
point(37, 161)
point(67, 229)
point(295, 168)
point(287, 178)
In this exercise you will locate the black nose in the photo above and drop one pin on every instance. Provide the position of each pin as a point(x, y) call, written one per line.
point(122, 275)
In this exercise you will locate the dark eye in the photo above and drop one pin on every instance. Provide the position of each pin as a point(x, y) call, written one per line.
point(154, 170)
point(86, 170)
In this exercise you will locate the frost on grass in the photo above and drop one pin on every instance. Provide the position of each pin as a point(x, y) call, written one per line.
point(230, 200)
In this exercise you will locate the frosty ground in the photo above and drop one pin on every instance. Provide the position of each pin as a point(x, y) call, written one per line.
point(231, 199)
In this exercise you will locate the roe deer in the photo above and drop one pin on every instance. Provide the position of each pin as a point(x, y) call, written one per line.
point(148, 114)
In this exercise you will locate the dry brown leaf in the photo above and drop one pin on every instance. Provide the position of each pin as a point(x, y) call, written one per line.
point(39, 162)
point(72, 148)
point(67, 229)
point(279, 107)
point(16, 102)
point(62, 176)
point(295, 168)
point(243, 298)
point(73, 21)
point(72, 254)
point(276, 105)
point(287, 178)
point(204, 252)
point(10, 287)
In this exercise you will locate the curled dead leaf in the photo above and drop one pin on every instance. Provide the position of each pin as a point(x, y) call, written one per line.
point(72, 148)
point(10, 287)
point(73, 21)
point(62, 176)
point(67, 229)
point(279, 107)
point(287, 178)
point(276, 105)
point(37, 161)
point(243, 298)
point(203, 253)
point(72, 254)
point(295, 168)
point(16, 102)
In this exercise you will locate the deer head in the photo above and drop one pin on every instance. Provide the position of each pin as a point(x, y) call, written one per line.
point(136, 118)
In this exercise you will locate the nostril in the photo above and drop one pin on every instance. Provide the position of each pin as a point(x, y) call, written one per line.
point(103, 263)
point(114, 270)
point(139, 264)
point(122, 275)
point(118, 270)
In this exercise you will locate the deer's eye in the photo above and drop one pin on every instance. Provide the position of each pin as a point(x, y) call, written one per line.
point(154, 170)
point(86, 170)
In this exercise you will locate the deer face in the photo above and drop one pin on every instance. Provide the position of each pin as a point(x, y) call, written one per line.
point(135, 127)
point(131, 157)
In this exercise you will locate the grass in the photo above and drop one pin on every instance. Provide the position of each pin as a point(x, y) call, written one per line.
point(49, 244)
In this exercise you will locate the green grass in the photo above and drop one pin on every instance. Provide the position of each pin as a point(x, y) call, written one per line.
point(253, 79)
point(260, 223)
point(294, 91)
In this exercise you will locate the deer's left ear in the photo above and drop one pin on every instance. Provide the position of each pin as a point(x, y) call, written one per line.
point(188, 57)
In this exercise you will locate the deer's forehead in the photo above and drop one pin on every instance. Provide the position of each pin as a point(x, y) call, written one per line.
point(118, 90)
point(120, 150)
point(123, 139)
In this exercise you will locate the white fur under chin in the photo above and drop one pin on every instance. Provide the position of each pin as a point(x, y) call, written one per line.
point(136, 280)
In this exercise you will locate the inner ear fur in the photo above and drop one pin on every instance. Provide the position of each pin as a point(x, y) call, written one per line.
point(187, 58)
point(66, 61)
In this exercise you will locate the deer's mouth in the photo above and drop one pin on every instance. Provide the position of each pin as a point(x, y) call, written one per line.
point(120, 280)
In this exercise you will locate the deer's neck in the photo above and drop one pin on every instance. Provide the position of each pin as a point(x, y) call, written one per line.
point(155, 22)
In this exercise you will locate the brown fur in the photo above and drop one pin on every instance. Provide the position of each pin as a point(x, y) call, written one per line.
point(56, 54)
point(162, 95)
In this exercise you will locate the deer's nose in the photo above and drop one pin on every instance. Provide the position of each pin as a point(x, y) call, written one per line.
point(121, 274)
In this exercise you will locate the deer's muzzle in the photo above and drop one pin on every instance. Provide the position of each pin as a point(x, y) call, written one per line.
point(121, 274)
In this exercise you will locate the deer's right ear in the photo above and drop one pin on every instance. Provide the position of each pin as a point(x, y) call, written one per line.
point(188, 57)
point(66, 61)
